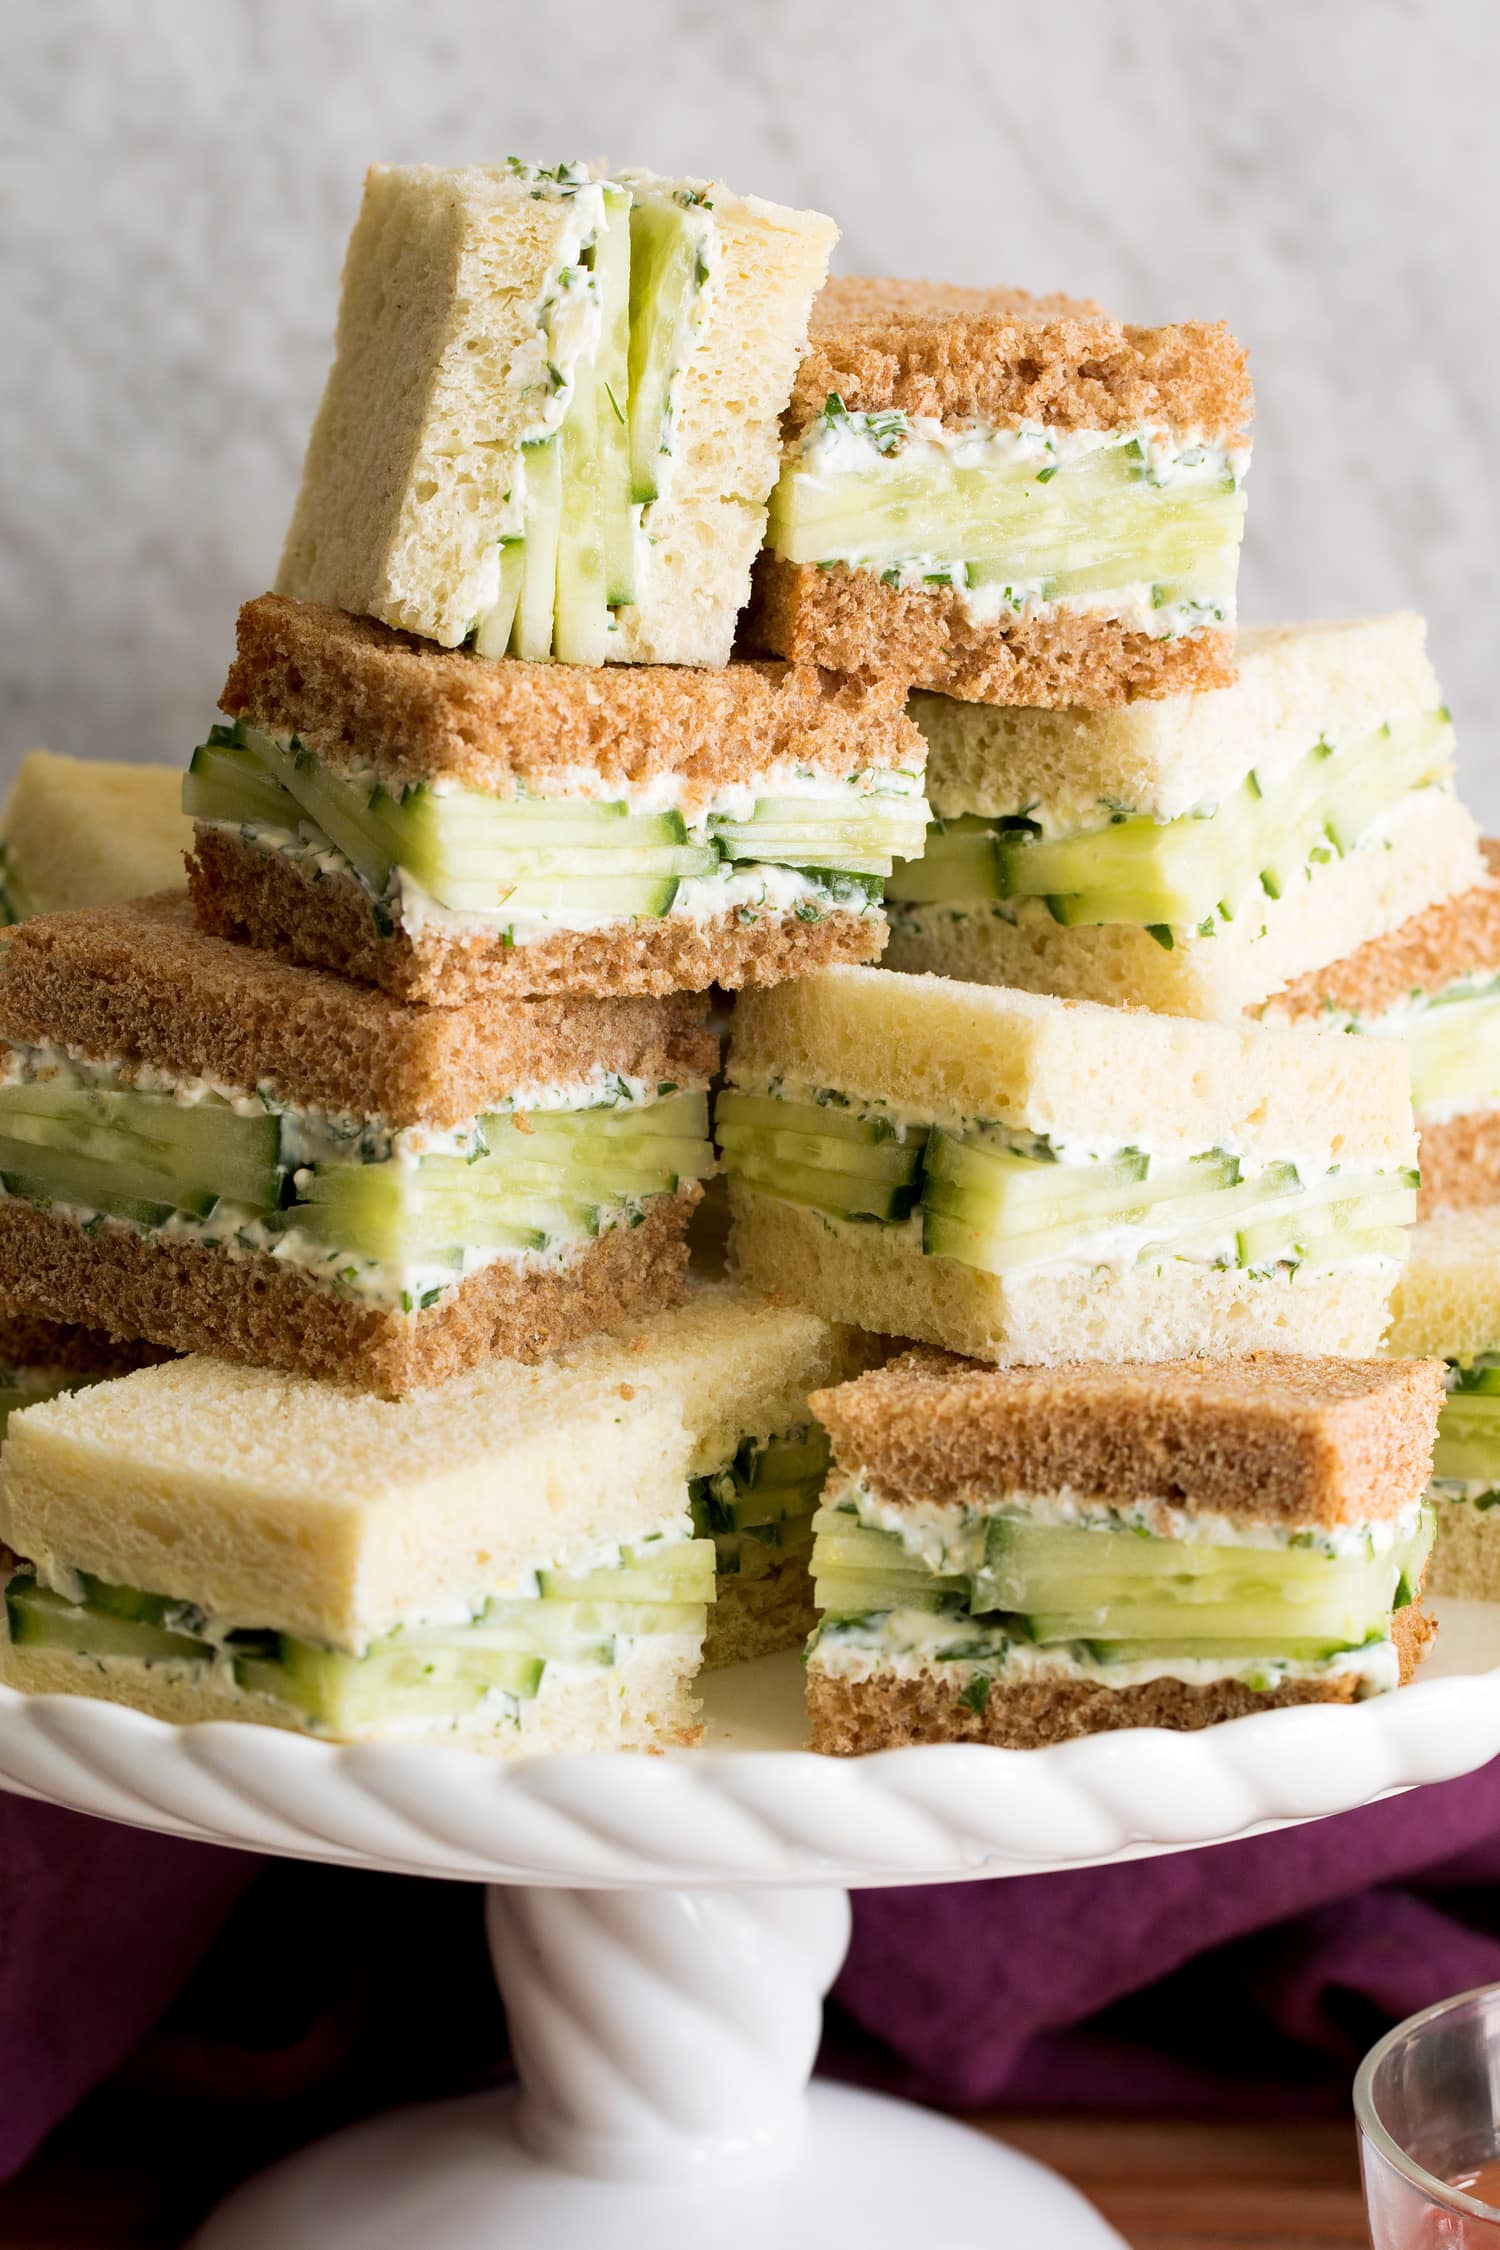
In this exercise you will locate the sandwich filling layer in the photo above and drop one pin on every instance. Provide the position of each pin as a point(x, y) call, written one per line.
point(1466, 1459)
point(479, 1669)
point(1003, 1200)
point(595, 854)
point(392, 1215)
point(1452, 1041)
point(1141, 527)
point(1030, 1587)
point(1188, 875)
point(758, 1508)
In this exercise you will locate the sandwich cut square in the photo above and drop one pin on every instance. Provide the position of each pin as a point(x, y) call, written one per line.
point(1026, 1179)
point(506, 1562)
point(1197, 854)
point(215, 1150)
point(1448, 1304)
point(1008, 498)
point(444, 827)
point(740, 1370)
point(89, 832)
point(1433, 984)
point(551, 422)
point(1020, 1555)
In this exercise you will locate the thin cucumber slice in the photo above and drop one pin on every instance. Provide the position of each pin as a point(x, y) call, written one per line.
point(37, 1618)
point(227, 782)
point(612, 898)
point(781, 1461)
point(612, 399)
point(895, 1161)
point(668, 268)
point(846, 1195)
point(825, 1120)
point(581, 624)
point(675, 1570)
point(395, 1679)
point(333, 804)
point(203, 1148)
point(493, 635)
point(538, 601)
point(859, 1593)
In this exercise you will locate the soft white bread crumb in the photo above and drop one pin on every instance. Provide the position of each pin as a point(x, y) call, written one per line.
point(92, 832)
point(643, 1702)
point(1466, 1560)
point(416, 443)
point(322, 1511)
point(1296, 683)
point(953, 1053)
point(732, 1365)
point(1039, 1316)
point(1448, 1299)
point(1432, 854)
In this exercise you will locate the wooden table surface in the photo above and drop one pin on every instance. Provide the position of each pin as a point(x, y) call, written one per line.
point(128, 2175)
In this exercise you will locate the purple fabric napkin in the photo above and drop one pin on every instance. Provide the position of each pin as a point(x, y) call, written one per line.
point(1250, 1976)
point(99, 1928)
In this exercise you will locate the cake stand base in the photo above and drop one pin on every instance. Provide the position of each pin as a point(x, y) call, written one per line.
point(664, 2041)
point(871, 2174)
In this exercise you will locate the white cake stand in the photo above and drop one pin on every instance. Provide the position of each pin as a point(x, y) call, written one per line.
point(665, 1930)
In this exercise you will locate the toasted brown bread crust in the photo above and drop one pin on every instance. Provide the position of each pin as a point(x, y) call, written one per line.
point(359, 693)
point(245, 891)
point(1268, 1436)
point(272, 1314)
point(1457, 937)
point(1460, 1162)
point(144, 982)
point(29, 1340)
point(1075, 660)
point(999, 356)
point(851, 1717)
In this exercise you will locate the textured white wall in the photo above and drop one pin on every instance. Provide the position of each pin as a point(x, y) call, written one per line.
point(177, 178)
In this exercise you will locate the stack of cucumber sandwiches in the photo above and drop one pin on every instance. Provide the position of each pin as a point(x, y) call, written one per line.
point(778, 1036)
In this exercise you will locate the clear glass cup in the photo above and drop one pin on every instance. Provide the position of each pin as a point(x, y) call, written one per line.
point(1427, 2099)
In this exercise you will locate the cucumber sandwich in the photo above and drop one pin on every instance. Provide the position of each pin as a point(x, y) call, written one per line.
point(1008, 498)
point(1020, 1555)
point(213, 1149)
point(1434, 984)
point(740, 1370)
point(551, 423)
point(1195, 854)
point(506, 1562)
point(1448, 1304)
point(88, 832)
point(1029, 1179)
point(443, 826)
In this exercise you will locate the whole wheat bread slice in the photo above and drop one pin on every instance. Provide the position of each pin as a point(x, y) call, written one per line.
point(360, 694)
point(143, 982)
point(247, 891)
point(850, 1717)
point(272, 1314)
point(1269, 1437)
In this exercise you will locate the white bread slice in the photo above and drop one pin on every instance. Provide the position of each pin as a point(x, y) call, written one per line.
point(731, 1364)
point(1447, 1301)
point(1045, 1315)
point(412, 468)
point(1432, 854)
point(1296, 683)
point(91, 832)
point(322, 1512)
point(952, 1053)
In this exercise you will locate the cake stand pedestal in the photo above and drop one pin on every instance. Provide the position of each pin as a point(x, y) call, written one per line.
point(665, 1929)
